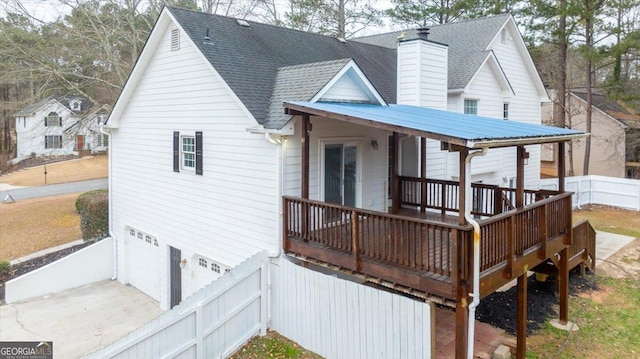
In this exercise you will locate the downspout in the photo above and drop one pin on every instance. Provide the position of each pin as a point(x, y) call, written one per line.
point(107, 132)
point(279, 142)
point(475, 294)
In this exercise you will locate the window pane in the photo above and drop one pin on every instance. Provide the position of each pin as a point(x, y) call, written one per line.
point(188, 152)
point(471, 107)
point(333, 174)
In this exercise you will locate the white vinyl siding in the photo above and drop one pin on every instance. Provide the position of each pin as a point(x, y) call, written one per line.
point(525, 105)
point(345, 89)
point(422, 74)
point(238, 201)
point(373, 178)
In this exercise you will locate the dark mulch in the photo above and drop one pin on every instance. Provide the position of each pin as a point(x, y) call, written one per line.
point(35, 263)
point(38, 161)
point(499, 309)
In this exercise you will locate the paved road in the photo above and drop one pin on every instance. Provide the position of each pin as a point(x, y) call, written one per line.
point(55, 189)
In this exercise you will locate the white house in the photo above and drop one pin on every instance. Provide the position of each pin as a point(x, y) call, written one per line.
point(221, 118)
point(60, 125)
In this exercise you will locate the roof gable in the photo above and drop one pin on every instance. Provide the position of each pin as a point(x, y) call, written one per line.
point(336, 81)
point(248, 58)
point(468, 43)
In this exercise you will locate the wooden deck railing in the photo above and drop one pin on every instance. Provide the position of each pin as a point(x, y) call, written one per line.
point(392, 247)
point(395, 240)
point(583, 244)
point(488, 200)
point(508, 235)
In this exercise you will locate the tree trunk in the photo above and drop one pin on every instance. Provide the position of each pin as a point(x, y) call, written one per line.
point(588, 45)
point(341, 20)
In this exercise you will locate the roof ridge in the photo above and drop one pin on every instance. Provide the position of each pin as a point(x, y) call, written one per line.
point(437, 25)
point(271, 25)
point(336, 61)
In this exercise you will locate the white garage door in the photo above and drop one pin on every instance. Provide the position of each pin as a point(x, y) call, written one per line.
point(144, 259)
point(207, 270)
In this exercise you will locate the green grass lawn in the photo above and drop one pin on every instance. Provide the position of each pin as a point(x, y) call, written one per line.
point(608, 321)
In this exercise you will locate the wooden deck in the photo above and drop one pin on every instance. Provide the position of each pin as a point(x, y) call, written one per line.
point(430, 252)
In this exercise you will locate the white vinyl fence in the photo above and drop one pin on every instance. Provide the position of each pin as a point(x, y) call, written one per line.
point(592, 189)
point(213, 323)
point(337, 318)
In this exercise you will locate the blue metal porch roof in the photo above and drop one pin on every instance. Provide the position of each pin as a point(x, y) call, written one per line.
point(456, 128)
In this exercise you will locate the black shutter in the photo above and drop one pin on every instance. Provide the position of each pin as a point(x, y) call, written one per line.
point(176, 151)
point(45, 121)
point(60, 120)
point(199, 153)
point(46, 141)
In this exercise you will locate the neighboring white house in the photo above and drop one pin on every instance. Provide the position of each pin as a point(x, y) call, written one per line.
point(201, 150)
point(60, 125)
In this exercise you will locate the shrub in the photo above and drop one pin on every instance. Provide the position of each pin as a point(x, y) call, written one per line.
point(93, 208)
point(5, 267)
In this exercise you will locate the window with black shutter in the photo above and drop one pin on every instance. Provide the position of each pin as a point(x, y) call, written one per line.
point(176, 151)
point(199, 153)
point(187, 152)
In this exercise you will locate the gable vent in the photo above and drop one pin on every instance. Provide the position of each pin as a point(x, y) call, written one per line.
point(242, 22)
point(175, 40)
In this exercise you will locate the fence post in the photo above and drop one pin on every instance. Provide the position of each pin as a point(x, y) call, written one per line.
point(264, 297)
point(199, 332)
point(638, 202)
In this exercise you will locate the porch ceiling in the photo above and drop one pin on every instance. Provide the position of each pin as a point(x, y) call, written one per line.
point(459, 129)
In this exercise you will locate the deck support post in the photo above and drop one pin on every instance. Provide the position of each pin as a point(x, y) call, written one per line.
point(563, 286)
point(561, 166)
point(423, 174)
point(462, 180)
point(521, 154)
point(395, 183)
point(462, 323)
point(304, 138)
point(521, 320)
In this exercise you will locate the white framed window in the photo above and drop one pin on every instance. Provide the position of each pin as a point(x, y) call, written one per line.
point(75, 105)
point(215, 267)
point(188, 152)
point(470, 107)
point(103, 140)
point(505, 111)
point(52, 141)
point(52, 119)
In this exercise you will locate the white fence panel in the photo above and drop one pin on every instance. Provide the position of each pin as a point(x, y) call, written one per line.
point(610, 191)
point(213, 323)
point(88, 265)
point(337, 318)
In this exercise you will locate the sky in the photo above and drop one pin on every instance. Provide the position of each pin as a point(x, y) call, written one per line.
point(49, 10)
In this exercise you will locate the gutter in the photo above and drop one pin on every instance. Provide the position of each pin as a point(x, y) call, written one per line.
point(475, 294)
point(107, 131)
point(523, 141)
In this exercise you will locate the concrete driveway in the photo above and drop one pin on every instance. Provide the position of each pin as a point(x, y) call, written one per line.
point(80, 320)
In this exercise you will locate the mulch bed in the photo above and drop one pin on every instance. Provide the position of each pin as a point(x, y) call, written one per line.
point(35, 263)
point(38, 161)
point(499, 308)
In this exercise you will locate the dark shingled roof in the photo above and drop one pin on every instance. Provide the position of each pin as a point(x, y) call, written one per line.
point(612, 108)
point(299, 83)
point(85, 104)
point(467, 41)
point(249, 57)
